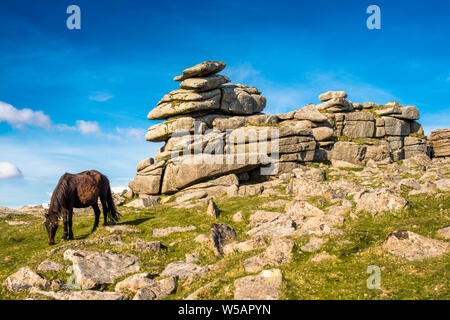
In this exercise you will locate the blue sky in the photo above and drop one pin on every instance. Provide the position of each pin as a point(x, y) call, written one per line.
point(72, 100)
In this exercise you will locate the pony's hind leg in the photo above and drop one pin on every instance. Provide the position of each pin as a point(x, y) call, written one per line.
point(97, 216)
point(105, 211)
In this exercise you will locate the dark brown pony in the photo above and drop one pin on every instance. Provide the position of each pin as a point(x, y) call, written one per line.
point(80, 190)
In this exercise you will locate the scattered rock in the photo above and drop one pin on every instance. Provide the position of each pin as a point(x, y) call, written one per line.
point(48, 265)
point(314, 244)
point(376, 201)
point(238, 217)
point(93, 269)
point(80, 295)
point(213, 211)
point(263, 286)
point(195, 294)
point(277, 253)
point(300, 207)
point(192, 257)
point(166, 231)
point(183, 270)
point(322, 257)
point(16, 223)
point(146, 288)
point(135, 282)
point(201, 238)
point(144, 246)
point(24, 279)
point(412, 246)
point(444, 232)
point(120, 229)
point(221, 233)
point(158, 290)
point(248, 245)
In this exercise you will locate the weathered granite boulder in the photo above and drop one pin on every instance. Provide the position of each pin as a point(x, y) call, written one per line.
point(201, 69)
point(332, 95)
point(205, 83)
point(24, 279)
point(376, 201)
point(412, 246)
point(188, 170)
point(183, 270)
point(309, 112)
point(221, 234)
point(264, 286)
point(440, 142)
point(94, 270)
point(48, 265)
point(277, 253)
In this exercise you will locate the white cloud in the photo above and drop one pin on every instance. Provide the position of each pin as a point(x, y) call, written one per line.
point(101, 97)
point(134, 133)
point(118, 189)
point(82, 126)
point(23, 117)
point(88, 127)
point(9, 171)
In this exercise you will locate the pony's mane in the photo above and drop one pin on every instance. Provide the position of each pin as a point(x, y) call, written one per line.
point(59, 196)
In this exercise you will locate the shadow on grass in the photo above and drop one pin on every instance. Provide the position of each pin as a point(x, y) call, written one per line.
point(135, 222)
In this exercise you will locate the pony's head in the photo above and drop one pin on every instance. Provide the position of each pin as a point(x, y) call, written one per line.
point(51, 224)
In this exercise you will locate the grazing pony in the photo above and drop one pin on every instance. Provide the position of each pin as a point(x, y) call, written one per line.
point(80, 190)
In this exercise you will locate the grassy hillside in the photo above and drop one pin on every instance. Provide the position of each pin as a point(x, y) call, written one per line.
point(343, 278)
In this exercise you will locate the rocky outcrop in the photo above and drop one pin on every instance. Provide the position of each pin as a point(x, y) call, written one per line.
point(440, 142)
point(213, 129)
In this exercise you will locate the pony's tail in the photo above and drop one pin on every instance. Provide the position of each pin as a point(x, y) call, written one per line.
point(112, 214)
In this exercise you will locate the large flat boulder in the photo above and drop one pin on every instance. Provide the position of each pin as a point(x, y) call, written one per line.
point(204, 83)
point(412, 246)
point(188, 170)
point(181, 105)
point(182, 126)
point(309, 112)
point(201, 69)
point(376, 201)
point(94, 270)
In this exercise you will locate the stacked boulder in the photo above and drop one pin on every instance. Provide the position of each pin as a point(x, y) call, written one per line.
point(208, 121)
point(439, 141)
point(367, 131)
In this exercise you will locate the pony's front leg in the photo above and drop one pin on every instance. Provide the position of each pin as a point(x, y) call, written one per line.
point(69, 222)
point(65, 233)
